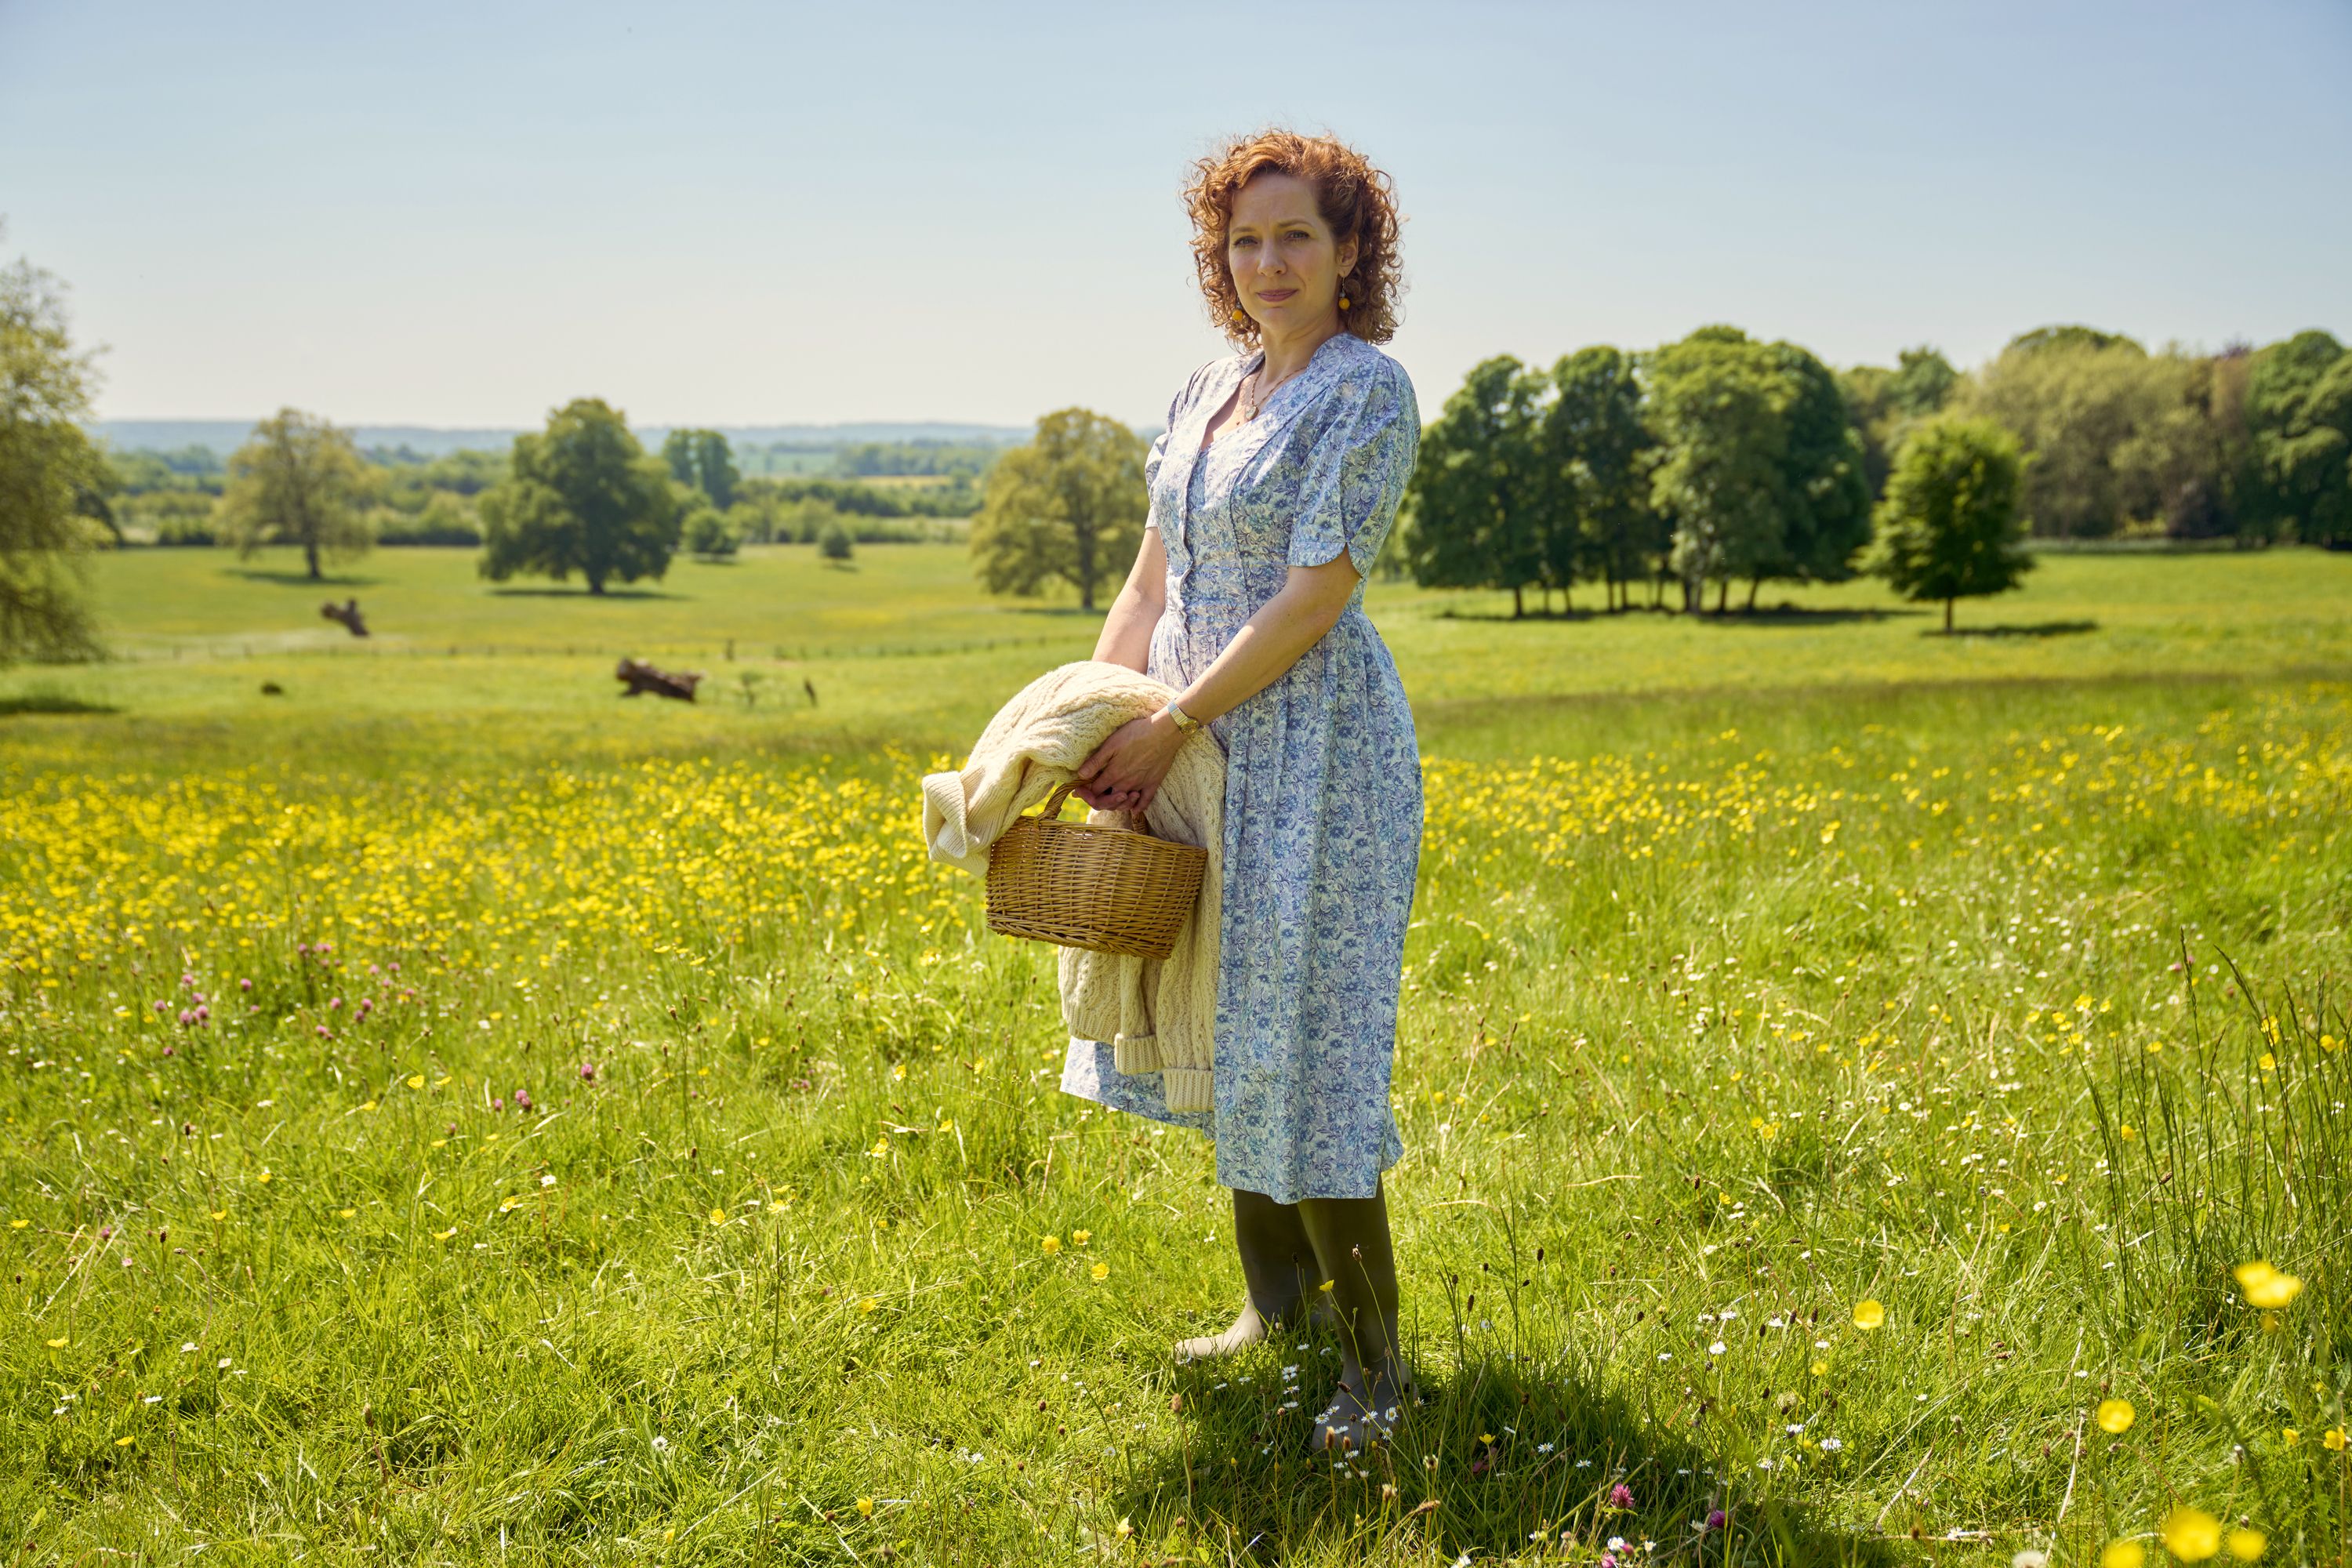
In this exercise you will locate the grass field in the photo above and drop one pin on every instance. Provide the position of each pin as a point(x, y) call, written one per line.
point(1840, 1069)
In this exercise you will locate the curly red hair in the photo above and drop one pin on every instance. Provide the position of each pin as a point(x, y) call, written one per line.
point(1356, 199)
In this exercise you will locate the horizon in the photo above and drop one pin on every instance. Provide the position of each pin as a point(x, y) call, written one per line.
point(599, 201)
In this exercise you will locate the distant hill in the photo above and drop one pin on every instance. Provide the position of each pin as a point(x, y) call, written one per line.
point(224, 436)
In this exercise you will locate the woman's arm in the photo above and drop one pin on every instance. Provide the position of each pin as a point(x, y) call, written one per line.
point(1308, 604)
point(1125, 771)
point(1126, 636)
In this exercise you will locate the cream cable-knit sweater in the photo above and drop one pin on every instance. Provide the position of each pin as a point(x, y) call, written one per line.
point(1159, 1015)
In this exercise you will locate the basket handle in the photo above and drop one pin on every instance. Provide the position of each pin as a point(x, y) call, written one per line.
point(1053, 809)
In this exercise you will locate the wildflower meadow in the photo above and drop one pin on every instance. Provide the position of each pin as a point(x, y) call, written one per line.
point(1857, 1112)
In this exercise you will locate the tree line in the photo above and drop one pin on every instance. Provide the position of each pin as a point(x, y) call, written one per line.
point(1718, 462)
point(409, 498)
point(582, 495)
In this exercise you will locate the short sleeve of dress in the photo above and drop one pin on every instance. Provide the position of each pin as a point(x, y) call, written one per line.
point(1355, 450)
point(1158, 452)
point(1151, 460)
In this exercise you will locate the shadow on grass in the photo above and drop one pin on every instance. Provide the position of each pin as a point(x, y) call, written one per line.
point(298, 579)
point(1786, 615)
point(1519, 1460)
point(51, 703)
point(2038, 630)
point(1782, 614)
point(1047, 612)
point(1533, 617)
point(565, 591)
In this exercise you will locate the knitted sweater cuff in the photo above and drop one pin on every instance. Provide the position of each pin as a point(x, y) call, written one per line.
point(1135, 1053)
point(1188, 1088)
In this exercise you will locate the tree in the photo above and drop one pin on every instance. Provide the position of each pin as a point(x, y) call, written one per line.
point(2096, 416)
point(1885, 405)
point(1763, 472)
point(2070, 337)
point(1868, 390)
point(2217, 503)
point(582, 497)
point(46, 467)
point(2169, 466)
point(1479, 510)
point(714, 467)
point(709, 532)
point(298, 480)
point(805, 521)
point(1826, 498)
point(1538, 542)
point(2299, 408)
point(1070, 505)
point(702, 460)
point(1950, 526)
point(1719, 407)
point(1922, 382)
point(1592, 432)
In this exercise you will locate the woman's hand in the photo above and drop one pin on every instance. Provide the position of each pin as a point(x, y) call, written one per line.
point(1123, 773)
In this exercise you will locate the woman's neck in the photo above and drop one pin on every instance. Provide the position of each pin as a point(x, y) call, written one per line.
point(1286, 356)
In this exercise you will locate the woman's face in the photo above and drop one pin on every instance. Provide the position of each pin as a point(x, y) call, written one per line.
point(1285, 265)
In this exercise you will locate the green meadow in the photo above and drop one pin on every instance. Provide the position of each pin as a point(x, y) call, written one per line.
point(898, 646)
point(452, 1113)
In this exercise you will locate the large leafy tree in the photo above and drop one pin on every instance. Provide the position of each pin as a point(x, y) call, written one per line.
point(702, 460)
point(298, 480)
point(1950, 526)
point(1593, 438)
point(1070, 506)
point(1825, 492)
point(1719, 406)
point(2299, 407)
point(2119, 437)
point(47, 468)
point(1763, 473)
point(581, 495)
point(1481, 510)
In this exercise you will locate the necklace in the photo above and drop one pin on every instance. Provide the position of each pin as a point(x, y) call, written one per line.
point(1251, 404)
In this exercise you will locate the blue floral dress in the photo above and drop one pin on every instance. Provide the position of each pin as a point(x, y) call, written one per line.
point(1323, 789)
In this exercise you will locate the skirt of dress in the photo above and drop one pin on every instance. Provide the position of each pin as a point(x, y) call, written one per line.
point(1322, 846)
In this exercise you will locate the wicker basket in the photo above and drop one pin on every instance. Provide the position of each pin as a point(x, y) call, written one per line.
point(1081, 884)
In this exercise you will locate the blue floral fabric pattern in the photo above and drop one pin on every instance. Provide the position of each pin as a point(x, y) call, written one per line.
point(1323, 785)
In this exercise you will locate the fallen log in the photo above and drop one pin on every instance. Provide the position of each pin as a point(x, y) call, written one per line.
point(641, 678)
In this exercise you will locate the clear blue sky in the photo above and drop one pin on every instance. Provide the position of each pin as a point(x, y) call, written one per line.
point(462, 214)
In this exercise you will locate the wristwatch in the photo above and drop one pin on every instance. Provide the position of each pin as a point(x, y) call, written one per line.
point(1185, 723)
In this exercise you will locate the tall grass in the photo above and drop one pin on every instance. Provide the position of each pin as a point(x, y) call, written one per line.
point(2007, 1012)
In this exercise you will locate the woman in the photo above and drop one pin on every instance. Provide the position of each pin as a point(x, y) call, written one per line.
point(1270, 490)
